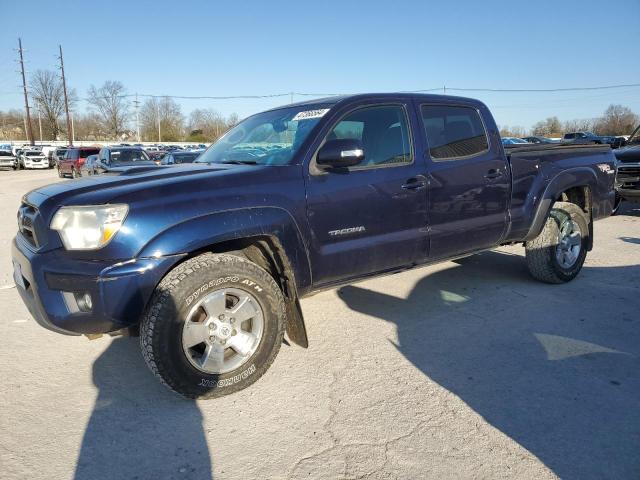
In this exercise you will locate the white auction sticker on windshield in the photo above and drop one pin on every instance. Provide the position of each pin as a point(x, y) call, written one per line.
point(308, 114)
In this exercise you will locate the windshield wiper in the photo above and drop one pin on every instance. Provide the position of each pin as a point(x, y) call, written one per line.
point(239, 162)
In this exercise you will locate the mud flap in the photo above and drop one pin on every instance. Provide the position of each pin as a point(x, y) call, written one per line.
point(296, 330)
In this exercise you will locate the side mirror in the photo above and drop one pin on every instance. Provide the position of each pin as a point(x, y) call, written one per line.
point(341, 153)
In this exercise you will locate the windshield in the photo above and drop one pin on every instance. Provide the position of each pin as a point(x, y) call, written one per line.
point(33, 154)
point(268, 138)
point(129, 155)
point(635, 136)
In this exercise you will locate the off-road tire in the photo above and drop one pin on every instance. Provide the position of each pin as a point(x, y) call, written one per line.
point(74, 173)
point(541, 251)
point(60, 174)
point(162, 323)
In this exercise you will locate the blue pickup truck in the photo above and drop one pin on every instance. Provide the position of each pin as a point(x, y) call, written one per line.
point(207, 261)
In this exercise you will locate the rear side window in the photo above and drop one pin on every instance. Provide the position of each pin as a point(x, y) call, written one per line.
point(453, 132)
point(383, 131)
point(86, 152)
point(72, 154)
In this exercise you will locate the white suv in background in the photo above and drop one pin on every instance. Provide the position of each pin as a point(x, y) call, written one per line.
point(33, 159)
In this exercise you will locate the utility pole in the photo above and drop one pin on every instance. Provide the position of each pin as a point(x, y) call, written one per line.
point(73, 131)
point(137, 103)
point(291, 93)
point(158, 114)
point(40, 124)
point(28, 128)
point(66, 99)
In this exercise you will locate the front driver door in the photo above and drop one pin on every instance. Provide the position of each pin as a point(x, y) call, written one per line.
point(371, 217)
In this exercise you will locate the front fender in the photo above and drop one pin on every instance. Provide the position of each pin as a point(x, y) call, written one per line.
point(200, 233)
point(574, 177)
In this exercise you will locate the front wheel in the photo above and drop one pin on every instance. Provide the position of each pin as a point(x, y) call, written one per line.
point(558, 253)
point(214, 326)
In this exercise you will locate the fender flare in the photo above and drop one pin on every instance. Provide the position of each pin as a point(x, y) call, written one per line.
point(573, 177)
point(200, 233)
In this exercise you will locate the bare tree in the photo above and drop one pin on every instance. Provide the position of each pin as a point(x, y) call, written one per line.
point(166, 111)
point(46, 90)
point(515, 131)
point(551, 127)
point(111, 105)
point(89, 127)
point(209, 125)
point(579, 125)
point(12, 125)
point(617, 120)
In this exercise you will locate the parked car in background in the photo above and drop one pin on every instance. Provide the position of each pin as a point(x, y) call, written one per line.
point(612, 141)
point(513, 141)
point(89, 166)
point(582, 138)
point(539, 140)
point(49, 151)
point(7, 158)
point(58, 155)
point(73, 160)
point(31, 158)
point(628, 176)
point(176, 158)
point(116, 157)
point(156, 156)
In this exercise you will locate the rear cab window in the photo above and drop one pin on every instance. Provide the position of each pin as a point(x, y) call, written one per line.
point(454, 132)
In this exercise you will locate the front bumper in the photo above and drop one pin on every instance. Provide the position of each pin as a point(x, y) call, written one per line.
point(48, 283)
point(628, 181)
point(42, 164)
point(7, 162)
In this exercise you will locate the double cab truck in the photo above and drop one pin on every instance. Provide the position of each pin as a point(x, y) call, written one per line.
point(207, 261)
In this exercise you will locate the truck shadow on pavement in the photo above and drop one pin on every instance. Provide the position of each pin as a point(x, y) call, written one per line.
point(554, 367)
point(138, 429)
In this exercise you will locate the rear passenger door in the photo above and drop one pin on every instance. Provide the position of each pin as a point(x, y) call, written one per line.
point(469, 179)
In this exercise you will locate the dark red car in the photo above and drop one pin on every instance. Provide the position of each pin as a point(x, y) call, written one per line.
point(73, 160)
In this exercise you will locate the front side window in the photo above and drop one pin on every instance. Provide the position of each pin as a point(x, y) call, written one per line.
point(383, 131)
point(268, 138)
point(128, 156)
point(453, 132)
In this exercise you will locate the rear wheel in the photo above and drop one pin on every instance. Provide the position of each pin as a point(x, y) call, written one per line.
point(558, 253)
point(60, 174)
point(214, 326)
point(74, 173)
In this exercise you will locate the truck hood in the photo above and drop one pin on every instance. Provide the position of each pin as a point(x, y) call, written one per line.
point(121, 182)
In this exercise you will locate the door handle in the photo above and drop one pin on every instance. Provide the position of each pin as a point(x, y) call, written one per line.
point(493, 173)
point(415, 183)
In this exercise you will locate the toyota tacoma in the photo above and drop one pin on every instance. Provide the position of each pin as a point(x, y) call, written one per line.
point(206, 262)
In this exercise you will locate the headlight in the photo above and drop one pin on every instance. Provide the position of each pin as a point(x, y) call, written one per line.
point(88, 227)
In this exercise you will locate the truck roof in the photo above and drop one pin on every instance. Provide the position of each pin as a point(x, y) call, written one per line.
point(335, 99)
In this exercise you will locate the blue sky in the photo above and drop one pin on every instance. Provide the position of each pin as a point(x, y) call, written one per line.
point(263, 47)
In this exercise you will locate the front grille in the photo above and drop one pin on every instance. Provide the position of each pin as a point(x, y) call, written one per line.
point(628, 177)
point(27, 217)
